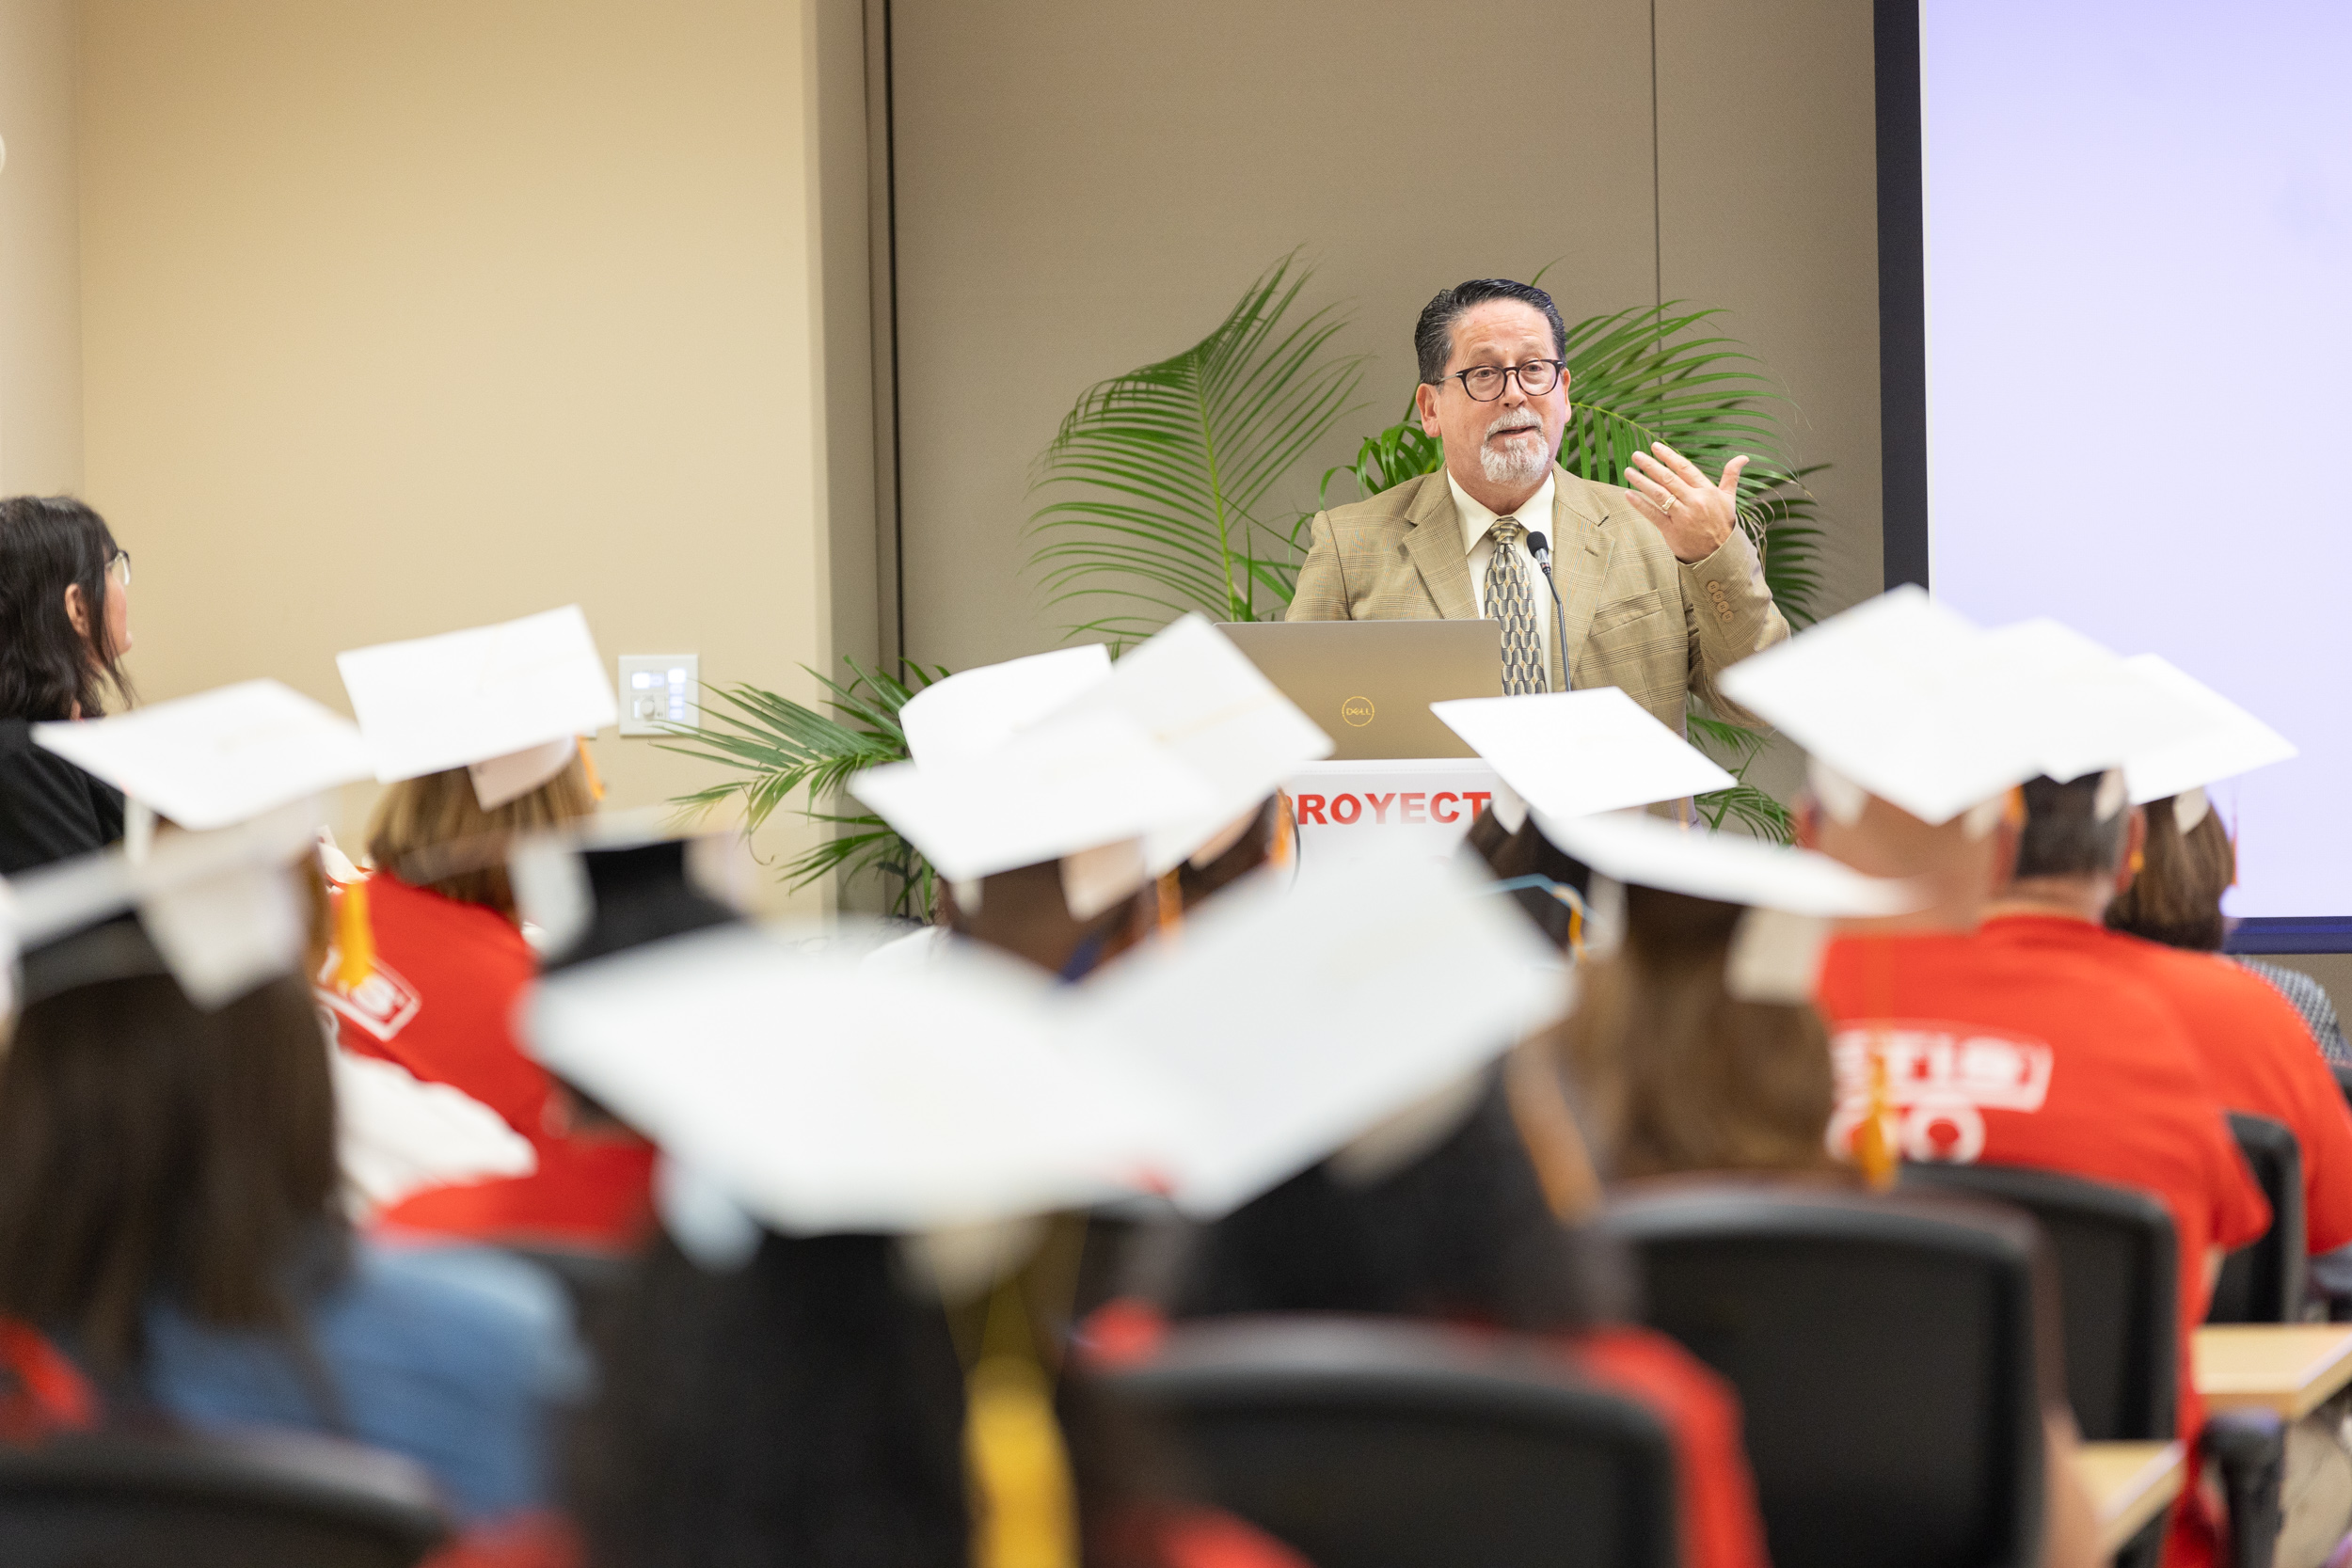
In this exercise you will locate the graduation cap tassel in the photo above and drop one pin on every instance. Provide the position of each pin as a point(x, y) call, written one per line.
point(588, 770)
point(354, 939)
point(1285, 825)
point(1025, 1502)
point(1874, 1140)
point(1171, 897)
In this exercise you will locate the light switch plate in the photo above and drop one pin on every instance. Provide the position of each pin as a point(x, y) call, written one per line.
point(660, 689)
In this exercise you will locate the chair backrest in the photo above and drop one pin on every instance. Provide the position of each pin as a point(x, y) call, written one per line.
point(2119, 1289)
point(2261, 1282)
point(1378, 1443)
point(1888, 1357)
point(112, 1500)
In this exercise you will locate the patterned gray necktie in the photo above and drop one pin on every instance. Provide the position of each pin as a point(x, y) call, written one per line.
point(1511, 599)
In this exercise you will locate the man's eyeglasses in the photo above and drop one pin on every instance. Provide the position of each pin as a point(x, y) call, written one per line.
point(1484, 383)
point(120, 567)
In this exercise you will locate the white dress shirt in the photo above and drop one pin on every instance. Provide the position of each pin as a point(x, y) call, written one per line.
point(1478, 543)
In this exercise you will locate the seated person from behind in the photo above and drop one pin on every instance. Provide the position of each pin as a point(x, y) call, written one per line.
point(2176, 898)
point(2115, 1091)
point(450, 964)
point(1444, 1214)
point(2254, 1051)
point(1677, 1074)
point(1659, 587)
point(213, 1275)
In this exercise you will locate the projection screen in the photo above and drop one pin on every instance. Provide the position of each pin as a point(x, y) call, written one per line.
point(2116, 260)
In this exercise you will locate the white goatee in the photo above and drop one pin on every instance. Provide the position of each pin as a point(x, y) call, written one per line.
point(1520, 460)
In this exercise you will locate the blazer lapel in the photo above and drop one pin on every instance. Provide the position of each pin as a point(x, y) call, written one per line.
point(1436, 546)
point(1580, 553)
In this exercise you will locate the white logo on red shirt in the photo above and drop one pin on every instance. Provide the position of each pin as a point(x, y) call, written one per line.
point(381, 1005)
point(1940, 1080)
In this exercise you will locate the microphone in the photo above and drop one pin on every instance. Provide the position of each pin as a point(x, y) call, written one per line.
point(1540, 547)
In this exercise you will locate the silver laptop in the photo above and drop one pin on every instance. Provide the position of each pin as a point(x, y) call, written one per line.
point(1370, 683)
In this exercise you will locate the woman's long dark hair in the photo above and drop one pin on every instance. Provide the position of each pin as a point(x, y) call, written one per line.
point(47, 545)
point(804, 1409)
point(1464, 1232)
point(150, 1150)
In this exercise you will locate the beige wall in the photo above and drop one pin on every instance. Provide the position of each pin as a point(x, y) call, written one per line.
point(40, 350)
point(403, 318)
point(1086, 186)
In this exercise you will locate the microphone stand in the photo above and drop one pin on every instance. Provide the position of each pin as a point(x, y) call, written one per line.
point(1540, 547)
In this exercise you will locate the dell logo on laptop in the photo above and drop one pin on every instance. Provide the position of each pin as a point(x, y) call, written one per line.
point(1357, 711)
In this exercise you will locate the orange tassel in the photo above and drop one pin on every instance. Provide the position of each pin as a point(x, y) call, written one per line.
point(1874, 1140)
point(588, 770)
point(1280, 855)
point(354, 939)
point(1171, 891)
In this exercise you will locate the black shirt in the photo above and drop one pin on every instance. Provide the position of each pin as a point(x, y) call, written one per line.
point(50, 810)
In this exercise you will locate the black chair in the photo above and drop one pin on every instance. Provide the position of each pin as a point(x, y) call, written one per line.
point(1375, 1442)
point(2118, 1291)
point(1892, 1356)
point(2118, 1265)
point(2263, 1282)
point(171, 1501)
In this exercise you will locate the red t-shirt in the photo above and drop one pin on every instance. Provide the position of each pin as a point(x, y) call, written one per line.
point(2256, 1053)
point(441, 1003)
point(1721, 1526)
point(2017, 1055)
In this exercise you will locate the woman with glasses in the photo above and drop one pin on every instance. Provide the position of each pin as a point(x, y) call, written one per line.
point(64, 623)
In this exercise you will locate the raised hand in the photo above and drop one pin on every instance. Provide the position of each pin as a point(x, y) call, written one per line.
point(1694, 516)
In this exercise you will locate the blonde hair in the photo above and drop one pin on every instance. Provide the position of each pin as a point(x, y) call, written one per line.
point(441, 812)
point(1678, 1075)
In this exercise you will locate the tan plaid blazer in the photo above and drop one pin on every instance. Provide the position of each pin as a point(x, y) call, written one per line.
point(1636, 617)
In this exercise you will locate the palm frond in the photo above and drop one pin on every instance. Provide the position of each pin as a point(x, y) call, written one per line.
point(1736, 748)
point(1763, 816)
point(1169, 468)
point(773, 746)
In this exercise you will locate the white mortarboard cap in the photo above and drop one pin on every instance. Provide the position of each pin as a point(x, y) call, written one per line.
point(1570, 754)
point(220, 757)
point(2234, 742)
point(975, 711)
point(1645, 852)
point(1201, 698)
point(1282, 1028)
point(220, 908)
point(2097, 709)
point(1290, 1021)
point(1066, 786)
point(508, 702)
point(1896, 695)
point(777, 1073)
point(1791, 894)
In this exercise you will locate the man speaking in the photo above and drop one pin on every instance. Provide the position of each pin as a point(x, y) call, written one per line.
point(1660, 587)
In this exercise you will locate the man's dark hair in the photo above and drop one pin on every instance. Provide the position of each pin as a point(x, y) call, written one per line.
point(1433, 335)
point(2063, 835)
